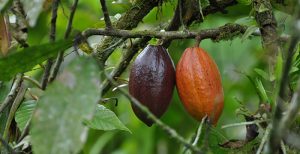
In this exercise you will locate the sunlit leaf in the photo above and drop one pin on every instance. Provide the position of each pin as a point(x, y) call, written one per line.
point(29, 57)
point(24, 113)
point(57, 123)
point(104, 119)
point(262, 74)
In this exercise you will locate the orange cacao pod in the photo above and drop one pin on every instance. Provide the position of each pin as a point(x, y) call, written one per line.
point(152, 81)
point(199, 84)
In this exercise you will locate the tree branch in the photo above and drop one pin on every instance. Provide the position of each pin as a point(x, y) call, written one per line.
point(47, 70)
point(60, 56)
point(175, 23)
point(13, 92)
point(13, 109)
point(105, 14)
point(267, 25)
point(223, 32)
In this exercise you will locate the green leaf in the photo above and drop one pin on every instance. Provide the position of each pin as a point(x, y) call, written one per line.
point(248, 32)
point(294, 69)
point(57, 123)
point(262, 73)
point(24, 113)
point(104, 119)
point(247, 21)
point(259, 88)
point(261, 91)
point(278, 67)
point(29, 57)
point(245, 2)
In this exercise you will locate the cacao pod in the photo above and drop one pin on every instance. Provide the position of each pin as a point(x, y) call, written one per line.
point(152, 81)
point(199, 84)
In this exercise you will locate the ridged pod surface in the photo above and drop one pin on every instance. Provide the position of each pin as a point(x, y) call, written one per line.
point(152, 81)
point(199, 84)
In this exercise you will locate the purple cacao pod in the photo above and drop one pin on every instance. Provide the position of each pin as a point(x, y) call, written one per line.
point(152, 81)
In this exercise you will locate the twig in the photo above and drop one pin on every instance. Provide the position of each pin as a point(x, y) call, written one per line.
point(264, 139)
point(60, 56)
point(180, 4)
point(55, 4)
point(70, 22)
point(197, 135)
point(162, 125)
point(243, 123)
point(105, 14)
point(46, 74)
point(200, 9)
point(214, 34)
point(47, 70)
point(199, 131)
point(33, 81)
point(13, 92)
point(13, 110)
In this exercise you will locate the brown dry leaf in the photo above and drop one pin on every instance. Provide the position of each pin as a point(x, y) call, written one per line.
point(4, 36)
